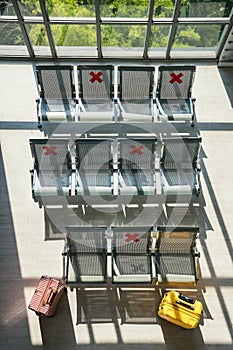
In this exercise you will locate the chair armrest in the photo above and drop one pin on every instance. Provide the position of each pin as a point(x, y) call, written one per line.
point(197, 181)
point(196, 253)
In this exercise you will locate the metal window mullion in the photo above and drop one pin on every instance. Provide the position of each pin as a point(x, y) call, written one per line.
point(23, 29)
point(173, 28)
point(98, 29)
point(48, 29)
point(148, 30)
point(224, 38)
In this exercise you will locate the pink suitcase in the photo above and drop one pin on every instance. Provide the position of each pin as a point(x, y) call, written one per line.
point(47, 296)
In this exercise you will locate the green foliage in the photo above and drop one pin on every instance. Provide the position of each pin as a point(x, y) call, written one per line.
point(124, 8)
point(187, 37)
point(120, 35)
point(123, 35)
point(74, 35)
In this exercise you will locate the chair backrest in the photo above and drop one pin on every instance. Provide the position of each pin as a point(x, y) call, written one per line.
point(137, 153)
point(56, 82)
point(95, 82)
point(51, 155)
point(86, 239)
point(180, 153)
point(93, 153)
point(179, 240)
point(134, 240)
point(136, 83)
point(175, 82)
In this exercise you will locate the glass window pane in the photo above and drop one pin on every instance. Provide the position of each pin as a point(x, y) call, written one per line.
point(124, 8)
point(123, 35)
point(158, 41)
point(39, 39)
point(197, 36)
point(74, 35)
point(6, 8)
point(37, 34)
point(11, 40)
point(159, 36)
point(30, 8)
point(70, 8)
point(205, 8)
point(164, 8)
point(11, 34)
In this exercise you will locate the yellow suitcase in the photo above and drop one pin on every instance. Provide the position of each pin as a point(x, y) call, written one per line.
point(180, 309)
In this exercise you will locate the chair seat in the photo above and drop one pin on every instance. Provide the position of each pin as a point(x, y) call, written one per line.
point(94, 182)
point(96, 110)
point(136, 181)
point(97, 105)
point(131, 268)
point(177, 182)
point(57, 109)
point(86, 267)
point(175, 267)
point(175, 109)
point(130, 264)
point(136, 110)
point(51, 184)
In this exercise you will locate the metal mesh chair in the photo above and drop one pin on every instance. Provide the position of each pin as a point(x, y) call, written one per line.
point(179, 172)
point(173, 95)
point(57, 93)
point(137, 166)
point(94, 166)
point(135, 100)
point(131, 260)
point(96, 93)
point(86, 255)
point(176, 255)
point(141, 214)
point(51, 175)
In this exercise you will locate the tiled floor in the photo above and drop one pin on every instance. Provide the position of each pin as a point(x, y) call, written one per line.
point(104, 319)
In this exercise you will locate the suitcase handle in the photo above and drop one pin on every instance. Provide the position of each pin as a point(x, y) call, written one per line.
point(49, 297)
point(185, 305)
point(187, 299)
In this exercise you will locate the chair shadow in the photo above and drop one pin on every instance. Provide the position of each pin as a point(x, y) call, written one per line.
point(96, 305)
point(138, 306)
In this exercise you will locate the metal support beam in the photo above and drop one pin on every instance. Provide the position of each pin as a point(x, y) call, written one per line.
point(23, 29)
point(148, 30)
point(224, 37)
point(48, 29)
point(172, 31)
point(98, 29)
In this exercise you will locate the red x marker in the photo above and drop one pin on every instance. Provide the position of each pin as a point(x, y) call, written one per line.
point(137, 150)
point(50, 150)
point(96, 77)
point(132, 237)
point(176, 78)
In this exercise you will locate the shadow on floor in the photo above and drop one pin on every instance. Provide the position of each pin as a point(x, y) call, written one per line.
point(227, 79)
point(57, 331)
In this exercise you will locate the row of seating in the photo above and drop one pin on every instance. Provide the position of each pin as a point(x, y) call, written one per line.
point(108, 93)
point(139, 166)
point(130, 255)
point(144, 243)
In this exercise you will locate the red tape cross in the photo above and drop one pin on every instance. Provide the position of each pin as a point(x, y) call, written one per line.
point(132, 237)
point(50, 150)
point(137, 150)
point(176, 78)
point(96, 77)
